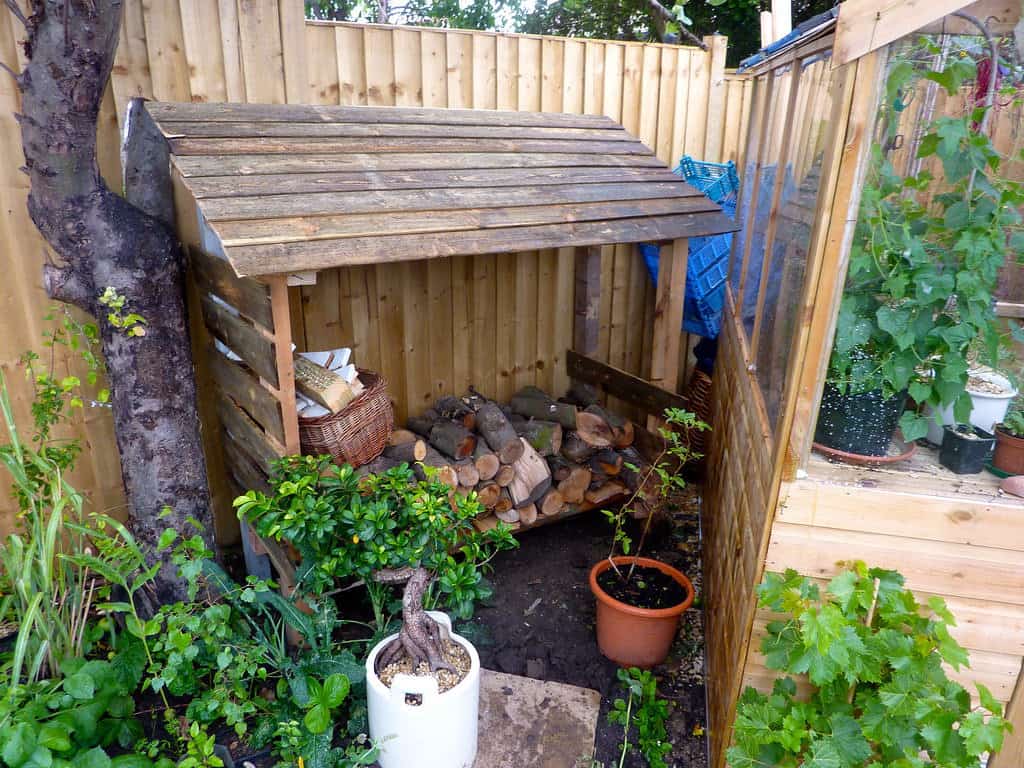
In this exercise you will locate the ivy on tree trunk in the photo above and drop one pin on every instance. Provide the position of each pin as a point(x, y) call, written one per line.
point(101, 240)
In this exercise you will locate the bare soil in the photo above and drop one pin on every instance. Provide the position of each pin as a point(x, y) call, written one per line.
point(540, 623)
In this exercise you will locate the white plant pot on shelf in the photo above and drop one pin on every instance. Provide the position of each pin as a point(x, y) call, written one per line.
point(438, 732)
point(987, 408)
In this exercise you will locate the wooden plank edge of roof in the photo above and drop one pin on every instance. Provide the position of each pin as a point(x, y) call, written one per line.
point(258, 261)
point(566, 213)
point(196, 112)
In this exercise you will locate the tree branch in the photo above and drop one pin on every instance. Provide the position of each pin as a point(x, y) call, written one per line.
point(12, 73)
point(66, 284)
point(16, 12)
point(666, 14)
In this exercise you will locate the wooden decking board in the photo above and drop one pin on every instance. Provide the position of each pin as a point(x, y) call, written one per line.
point(256, 129)
point(352, 181)
point(322, 254)
point(298, 229)
point(289, 187)
point(183, 147)
point(205, 165)
point(290, 113)
point(439, 200)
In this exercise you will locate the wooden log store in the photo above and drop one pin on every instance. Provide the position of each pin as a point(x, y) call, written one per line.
point(269, 197)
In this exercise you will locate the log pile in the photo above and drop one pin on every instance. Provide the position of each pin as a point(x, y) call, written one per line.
point(530, 461)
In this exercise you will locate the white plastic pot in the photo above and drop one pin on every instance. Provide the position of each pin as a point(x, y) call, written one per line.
point(987, 409)
point(440, 731)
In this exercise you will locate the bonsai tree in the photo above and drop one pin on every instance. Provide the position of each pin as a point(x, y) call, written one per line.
point(381, 530)
point(923, 266)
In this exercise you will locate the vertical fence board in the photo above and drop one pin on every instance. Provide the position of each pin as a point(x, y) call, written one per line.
point(231, 50)
point(351, 69)
point(259, 33)
point(165, 44)
point(485, 74)
point(200, 22)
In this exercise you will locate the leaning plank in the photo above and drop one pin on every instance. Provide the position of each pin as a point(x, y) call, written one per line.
point(622, 385)
point(298, 229)
point(173, 129)
point(247, 391)
point(327, 203)
point(327, 163)
point(259, 352)
point(288, 113)
point(277, 258)
point(351, 181)
point(263, 448)
point(248, 296)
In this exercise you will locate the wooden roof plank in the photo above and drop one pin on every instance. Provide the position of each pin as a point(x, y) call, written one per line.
point(256, 129)
point(438, 200)
point(317, 145)
point(297, 229)
point(262, 164)
point(322, 254)
point(289, 113)
point(354, 181)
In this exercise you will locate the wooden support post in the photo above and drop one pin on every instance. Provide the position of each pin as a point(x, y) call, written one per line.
point(587, 302)
point(285, 365)
point(668, 318)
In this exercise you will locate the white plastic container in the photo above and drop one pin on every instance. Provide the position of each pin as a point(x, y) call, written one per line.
point(441, 731)
point(987, 409)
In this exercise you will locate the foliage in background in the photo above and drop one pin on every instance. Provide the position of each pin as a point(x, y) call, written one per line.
point(878, 692)
point(594, 19)
point(645, 714)
point(346, 527)
point(917, 306)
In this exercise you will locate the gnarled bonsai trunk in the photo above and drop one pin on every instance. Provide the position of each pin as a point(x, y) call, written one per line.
point(420, 637)
point(102, 240)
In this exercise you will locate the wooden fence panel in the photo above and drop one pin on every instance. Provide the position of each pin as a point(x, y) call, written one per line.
point(497, 322)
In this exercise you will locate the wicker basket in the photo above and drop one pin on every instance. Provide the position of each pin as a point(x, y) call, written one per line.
point(358, 433)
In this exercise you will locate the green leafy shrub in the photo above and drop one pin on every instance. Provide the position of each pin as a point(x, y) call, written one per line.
point(643, 712)
point(917, 306)
point(879, 694)
point(347, 527)
point(1014, 422)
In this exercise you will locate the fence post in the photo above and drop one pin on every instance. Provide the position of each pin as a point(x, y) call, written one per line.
point(717, 45)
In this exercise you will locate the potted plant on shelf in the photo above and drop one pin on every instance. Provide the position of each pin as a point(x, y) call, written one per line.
point(923, 269)
point(991, 393)
point(639, 600)
point(1009, 455)
point(965, 448)
point(392, 529)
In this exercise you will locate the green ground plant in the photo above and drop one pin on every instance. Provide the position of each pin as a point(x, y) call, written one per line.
point(1014, 421)
point(641, 713)
point(656, 484)
point(347, 528)
point(76, 585)
point(879, 695)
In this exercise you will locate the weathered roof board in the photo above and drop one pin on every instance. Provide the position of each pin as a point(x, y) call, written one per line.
point(291, 188)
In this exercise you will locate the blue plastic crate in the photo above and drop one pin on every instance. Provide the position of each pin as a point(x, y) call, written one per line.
point(708, 263)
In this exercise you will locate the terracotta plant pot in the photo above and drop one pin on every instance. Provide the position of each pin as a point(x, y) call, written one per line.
point(1009, 455)
point(631, 636)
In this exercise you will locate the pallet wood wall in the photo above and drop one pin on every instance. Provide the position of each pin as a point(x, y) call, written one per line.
point(677, 99)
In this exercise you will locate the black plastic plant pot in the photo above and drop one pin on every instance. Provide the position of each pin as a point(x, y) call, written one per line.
point(862, 424)
point(965, 448)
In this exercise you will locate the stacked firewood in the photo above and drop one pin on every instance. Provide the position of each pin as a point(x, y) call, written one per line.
point(531, 459)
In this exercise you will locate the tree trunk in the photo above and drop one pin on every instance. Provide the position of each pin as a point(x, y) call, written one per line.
point(102, 241)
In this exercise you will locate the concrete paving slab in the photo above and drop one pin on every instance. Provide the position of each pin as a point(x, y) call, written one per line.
point(527, 723)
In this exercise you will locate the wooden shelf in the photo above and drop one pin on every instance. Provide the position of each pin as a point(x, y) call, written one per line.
point(921, 475)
